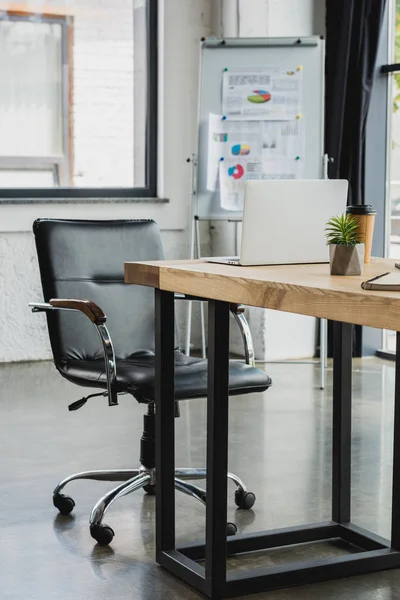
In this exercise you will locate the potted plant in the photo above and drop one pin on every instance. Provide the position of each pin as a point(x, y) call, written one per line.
point(345, 252)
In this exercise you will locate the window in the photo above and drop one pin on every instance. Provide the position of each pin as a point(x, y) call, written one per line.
point(78, 99)
point(31, 94)
point(394, 151)
point(387, 109)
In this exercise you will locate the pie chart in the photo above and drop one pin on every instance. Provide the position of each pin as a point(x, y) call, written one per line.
point(236, 172)
point(259, 97)
point(240, 149)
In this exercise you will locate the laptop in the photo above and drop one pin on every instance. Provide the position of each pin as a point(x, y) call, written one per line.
point(284, 221)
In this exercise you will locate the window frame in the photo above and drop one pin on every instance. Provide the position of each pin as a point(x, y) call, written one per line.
point(149, 191)
point(377, 153)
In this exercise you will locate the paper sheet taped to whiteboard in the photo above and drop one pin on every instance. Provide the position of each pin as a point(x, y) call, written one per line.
point(227, 139)
point(262, 93)
point(252, 140)
point(233, 174)
point(282, 138)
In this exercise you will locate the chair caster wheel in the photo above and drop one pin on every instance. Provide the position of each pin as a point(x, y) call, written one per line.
point(103, 534)
point(231, 529)
point(150, 490)
point(244, 500)
point(65, 504)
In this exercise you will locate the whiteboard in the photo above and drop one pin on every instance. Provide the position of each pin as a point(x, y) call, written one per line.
point(218, 55)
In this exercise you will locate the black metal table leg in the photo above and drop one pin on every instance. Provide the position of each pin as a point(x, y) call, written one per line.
point(373, 554)
point(396, 454)
point(165, 421)
point(217, 447)
point(341, 428)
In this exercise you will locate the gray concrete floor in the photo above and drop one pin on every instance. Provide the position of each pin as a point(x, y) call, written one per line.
point(280, 445)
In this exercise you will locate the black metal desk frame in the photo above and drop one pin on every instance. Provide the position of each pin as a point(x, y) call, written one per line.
point(375, 553)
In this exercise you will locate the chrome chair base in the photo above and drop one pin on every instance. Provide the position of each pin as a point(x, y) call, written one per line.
point(133, 480)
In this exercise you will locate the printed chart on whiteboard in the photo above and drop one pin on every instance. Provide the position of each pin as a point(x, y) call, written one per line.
point(260, 133)
point(229, 139)
point(267, 93)
point(234, 173)
point(242, 150)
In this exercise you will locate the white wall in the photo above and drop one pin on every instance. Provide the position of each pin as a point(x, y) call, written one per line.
point(290, 17)
point(182, 24)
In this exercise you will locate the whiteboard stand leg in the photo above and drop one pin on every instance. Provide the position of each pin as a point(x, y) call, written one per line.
point(202, 322)
point(236, 253)
point(188, 327)
point(193, 162)
point(323, 334)
point(323, 350)
point(203, 331)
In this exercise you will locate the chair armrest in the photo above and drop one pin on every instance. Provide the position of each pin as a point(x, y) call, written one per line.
point(98, 318)
point(238, 312)
point(40, 306)
point(89, 308)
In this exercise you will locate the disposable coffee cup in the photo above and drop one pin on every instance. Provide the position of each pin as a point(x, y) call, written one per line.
point(364, 214)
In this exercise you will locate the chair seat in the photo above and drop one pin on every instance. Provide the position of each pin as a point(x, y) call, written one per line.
point(136, 374)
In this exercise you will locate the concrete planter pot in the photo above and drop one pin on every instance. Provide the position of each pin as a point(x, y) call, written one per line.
point(346, 260)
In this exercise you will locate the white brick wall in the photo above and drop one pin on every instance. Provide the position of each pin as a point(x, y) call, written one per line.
point(103, 94)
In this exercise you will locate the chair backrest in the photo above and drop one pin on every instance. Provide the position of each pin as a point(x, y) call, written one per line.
point(85, 259)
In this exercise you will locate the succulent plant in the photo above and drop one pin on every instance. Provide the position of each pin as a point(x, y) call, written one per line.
point(342, 230)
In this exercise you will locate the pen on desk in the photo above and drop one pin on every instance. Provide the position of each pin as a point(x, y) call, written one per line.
point(397, 265)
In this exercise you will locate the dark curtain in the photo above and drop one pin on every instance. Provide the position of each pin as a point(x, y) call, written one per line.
point(352, 37)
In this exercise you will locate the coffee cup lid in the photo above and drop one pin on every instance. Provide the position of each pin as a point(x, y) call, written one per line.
point(360, 209)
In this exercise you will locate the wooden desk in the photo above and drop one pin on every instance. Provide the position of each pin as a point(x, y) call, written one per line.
point(303, 289)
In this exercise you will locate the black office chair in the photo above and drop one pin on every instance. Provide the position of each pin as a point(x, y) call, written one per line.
point(85, 259)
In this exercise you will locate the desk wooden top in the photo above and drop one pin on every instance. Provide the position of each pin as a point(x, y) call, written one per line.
point(303, 289)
